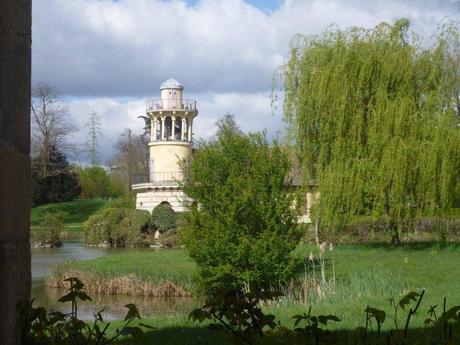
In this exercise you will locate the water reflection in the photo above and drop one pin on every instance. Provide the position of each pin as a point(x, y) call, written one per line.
point(43, 260)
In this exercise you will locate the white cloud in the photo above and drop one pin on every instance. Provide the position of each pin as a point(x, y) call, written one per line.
point(128, 47)
point(253, 114)
point(111, 55)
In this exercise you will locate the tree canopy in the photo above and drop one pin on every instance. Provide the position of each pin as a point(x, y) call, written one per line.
point(59, 185)
point(374, 117)
point(241, 224)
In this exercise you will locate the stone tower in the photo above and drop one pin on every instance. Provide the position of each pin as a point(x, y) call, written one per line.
point(170, 144)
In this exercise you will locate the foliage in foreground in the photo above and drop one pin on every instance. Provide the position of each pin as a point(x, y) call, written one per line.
point(373, 115)
point(239, 315)
point(241, 225)
point(42, 327)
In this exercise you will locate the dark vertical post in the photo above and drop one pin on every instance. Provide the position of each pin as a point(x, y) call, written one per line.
point(15, 195)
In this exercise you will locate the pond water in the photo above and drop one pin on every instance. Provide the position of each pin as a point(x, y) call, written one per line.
point(43, 260)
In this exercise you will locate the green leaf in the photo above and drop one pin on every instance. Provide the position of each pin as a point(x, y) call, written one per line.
point(136, 332)
point(199, 315)
point(146, 325)
point(133, 312)
point(83, 296)
point(411, 296)
point(379, 315)
point(451, 314)
point(323, 319)
point(71, 296)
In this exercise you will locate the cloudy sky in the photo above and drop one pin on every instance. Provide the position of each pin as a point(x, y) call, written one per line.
point(111, 56)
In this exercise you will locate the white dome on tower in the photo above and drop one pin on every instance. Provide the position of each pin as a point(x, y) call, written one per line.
point(171, 84)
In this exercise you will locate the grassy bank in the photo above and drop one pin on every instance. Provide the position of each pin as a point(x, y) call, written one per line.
point(366, 274)
point(141, 273)
point(78, 210)
point(369, 274)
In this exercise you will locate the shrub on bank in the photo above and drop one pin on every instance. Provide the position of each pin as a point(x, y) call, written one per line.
point(124, 201)
point(118, 227)
point(365, 228)
point(51, 226)
point(164, 218)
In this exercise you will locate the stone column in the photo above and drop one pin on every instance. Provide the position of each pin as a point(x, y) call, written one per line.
point(155, 126)
point(173, 129)
point(190, 130)
point(15, 192)
point(182, 132)
point(162, 129)
point(153, 129)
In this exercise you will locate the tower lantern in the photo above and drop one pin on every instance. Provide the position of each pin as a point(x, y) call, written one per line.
point(171, 136)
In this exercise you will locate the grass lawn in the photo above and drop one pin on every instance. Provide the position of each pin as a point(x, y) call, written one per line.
point(78, 210)
point(367, 274)
point(174, 330)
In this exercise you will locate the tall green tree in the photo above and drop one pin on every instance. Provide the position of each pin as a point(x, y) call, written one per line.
point(241, 224)
point(374, 117)
point(94, 182)
point(60, 184)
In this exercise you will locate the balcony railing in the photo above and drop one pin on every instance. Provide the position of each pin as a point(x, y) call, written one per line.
point(159, 178)
point(171, 104)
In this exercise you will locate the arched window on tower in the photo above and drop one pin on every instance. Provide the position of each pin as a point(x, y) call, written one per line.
point(178, 129)
point(158, 129)
point(168, 128)
point(185, 128)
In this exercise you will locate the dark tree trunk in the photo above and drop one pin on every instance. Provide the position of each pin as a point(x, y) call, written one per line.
point(15, 196)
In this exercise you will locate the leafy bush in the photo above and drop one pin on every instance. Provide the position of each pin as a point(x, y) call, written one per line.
point(124, 201)
point(164, 218)
point(241, 223)
point(42, 327)
point(118, 227)
point(94, 182)
point(51, 225)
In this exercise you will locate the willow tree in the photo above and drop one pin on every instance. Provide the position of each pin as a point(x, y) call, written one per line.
point(374, 117)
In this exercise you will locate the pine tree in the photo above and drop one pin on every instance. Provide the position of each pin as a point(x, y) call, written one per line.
point(59, 185)
point(94, 130)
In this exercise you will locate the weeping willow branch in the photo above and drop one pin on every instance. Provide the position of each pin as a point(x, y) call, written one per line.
point(374, 118)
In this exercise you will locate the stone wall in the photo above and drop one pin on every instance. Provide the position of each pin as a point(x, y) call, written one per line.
point(15, 44)
point(149, 200)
